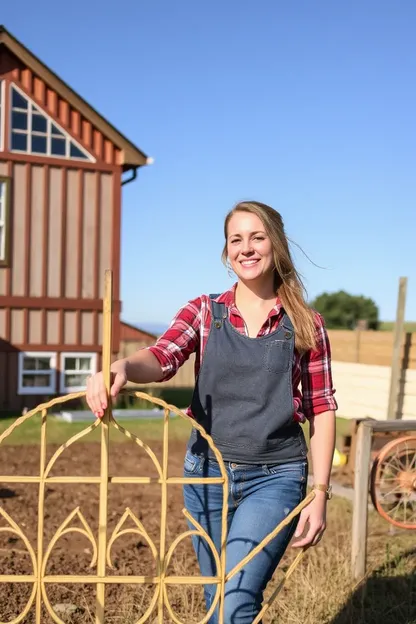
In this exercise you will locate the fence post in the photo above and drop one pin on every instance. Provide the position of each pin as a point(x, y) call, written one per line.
point(360, 509)
point(102, 526)
point(392, 413)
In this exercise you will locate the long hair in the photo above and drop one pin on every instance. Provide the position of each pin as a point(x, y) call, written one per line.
point(288, 283)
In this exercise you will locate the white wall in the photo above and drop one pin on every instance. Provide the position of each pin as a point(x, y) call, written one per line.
point(362, 390)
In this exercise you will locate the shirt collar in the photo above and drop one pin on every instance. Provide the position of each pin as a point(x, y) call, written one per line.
point(228, 298)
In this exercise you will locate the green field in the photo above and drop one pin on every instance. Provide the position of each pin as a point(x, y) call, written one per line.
point(59, 432)
point(409, 326)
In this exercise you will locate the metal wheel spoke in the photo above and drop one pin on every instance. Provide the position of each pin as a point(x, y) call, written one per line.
point(395, 489)
point(413, 463)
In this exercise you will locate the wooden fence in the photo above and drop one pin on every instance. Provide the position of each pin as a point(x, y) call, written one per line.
point(359, 347)
point(371, 347)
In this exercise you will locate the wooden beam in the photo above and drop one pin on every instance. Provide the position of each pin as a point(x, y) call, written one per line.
point(361, 487)
point(392, 413)
point(359, 519)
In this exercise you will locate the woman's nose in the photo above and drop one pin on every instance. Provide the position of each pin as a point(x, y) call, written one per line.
point(247, 247)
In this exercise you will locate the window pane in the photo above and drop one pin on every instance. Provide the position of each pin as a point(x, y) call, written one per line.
point(19, 121)
point(18, 101)
point(75, 381)
point(19, 142)
point(37, 363)
point(75, 152)
point(85, 364)
point(58, 147)
point(39, 144)
point(39, 123)
point(70, 363)
point(1, 242)
point(36, 380)
point(56, 131)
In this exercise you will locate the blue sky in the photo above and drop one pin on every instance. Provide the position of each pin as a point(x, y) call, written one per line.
point(306, 105)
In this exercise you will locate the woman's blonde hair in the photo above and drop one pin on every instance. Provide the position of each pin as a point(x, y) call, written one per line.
point(289, 285)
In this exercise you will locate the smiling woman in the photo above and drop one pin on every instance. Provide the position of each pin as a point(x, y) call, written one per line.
point(254, 346)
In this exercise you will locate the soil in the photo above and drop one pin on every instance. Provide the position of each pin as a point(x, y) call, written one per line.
point(73, 552)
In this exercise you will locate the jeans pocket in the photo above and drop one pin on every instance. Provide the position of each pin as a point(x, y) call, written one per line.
point(296, 471)
point(192, 463)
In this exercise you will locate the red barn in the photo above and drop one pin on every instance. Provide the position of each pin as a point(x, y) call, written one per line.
point(62, 166)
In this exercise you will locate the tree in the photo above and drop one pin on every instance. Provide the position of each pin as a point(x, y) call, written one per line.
point(342, 310)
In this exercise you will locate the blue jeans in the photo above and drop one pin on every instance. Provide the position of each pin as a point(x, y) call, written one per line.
point(259, 498)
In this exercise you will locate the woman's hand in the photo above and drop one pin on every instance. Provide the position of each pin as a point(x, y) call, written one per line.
point(96, 391)
point(314, 515)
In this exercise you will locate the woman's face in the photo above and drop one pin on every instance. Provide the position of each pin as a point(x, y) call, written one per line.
point(249, 249)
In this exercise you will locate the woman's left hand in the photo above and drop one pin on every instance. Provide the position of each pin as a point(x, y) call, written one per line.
point(314, 515)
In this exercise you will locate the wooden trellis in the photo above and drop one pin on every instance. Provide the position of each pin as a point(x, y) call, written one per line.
point(102, 544)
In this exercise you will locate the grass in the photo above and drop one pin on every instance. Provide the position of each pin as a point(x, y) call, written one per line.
point(321, 590)
point(409, 326)
point(59, 431)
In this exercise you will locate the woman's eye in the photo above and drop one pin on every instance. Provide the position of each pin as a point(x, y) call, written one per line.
point(260, 238)
point(236, 240)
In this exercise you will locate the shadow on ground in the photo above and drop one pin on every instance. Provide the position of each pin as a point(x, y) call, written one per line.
point(386, 597)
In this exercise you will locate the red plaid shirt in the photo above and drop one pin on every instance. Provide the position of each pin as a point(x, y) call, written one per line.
point(189, 330)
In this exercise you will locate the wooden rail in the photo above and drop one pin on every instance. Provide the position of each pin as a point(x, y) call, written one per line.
point(361, 487)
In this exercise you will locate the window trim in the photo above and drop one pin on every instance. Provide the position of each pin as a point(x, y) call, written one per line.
point(48, 134)
point(51, 389)
point(5, 261)
point(63, 389)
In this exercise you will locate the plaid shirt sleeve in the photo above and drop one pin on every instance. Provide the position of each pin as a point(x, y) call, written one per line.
point(180, 340)
point(316, 375)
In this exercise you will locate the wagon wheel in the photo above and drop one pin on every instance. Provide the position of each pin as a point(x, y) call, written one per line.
point(393, 482)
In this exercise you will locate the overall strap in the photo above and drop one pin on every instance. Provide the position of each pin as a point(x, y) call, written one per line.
point(287, 323)
point(219, 311)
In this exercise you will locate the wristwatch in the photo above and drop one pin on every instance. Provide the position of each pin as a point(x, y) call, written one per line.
point(322, 487)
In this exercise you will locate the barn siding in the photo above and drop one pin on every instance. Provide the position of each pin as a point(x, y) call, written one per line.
point(52, 327)
point(35, 327)
point(36, 236)
point(3, 324)
point(20, 183)
point(72, 255)
point(106, 219)
point(3, 271)
point(66, 226)
point(54, 257)
point(88, 235)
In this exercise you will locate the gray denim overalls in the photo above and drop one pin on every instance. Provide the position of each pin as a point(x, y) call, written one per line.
point(243, 394)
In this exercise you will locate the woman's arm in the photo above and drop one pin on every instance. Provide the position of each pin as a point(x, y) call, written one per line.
point(322, 444)
point(156, 363)
point(319, 406)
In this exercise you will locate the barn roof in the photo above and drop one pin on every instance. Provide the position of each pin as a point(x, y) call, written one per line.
point(132, 155)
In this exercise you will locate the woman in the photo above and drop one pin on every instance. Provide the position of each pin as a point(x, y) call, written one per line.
point(254, 345)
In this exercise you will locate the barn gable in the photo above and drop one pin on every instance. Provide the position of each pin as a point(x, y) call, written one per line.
point(75, 116)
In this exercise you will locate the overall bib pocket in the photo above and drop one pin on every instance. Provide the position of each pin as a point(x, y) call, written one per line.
point(277, 356)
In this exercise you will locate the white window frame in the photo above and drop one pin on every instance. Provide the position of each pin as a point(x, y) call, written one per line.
point(2, 112)
point(4, 191)
point(51, 389)
point(48, 134)
point(69, 354)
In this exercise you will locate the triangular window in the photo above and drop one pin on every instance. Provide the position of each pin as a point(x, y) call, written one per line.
point(34, 132)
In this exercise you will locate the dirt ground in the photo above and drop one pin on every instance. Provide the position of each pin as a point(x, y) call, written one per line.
point(72, 554)
point(320, 591)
